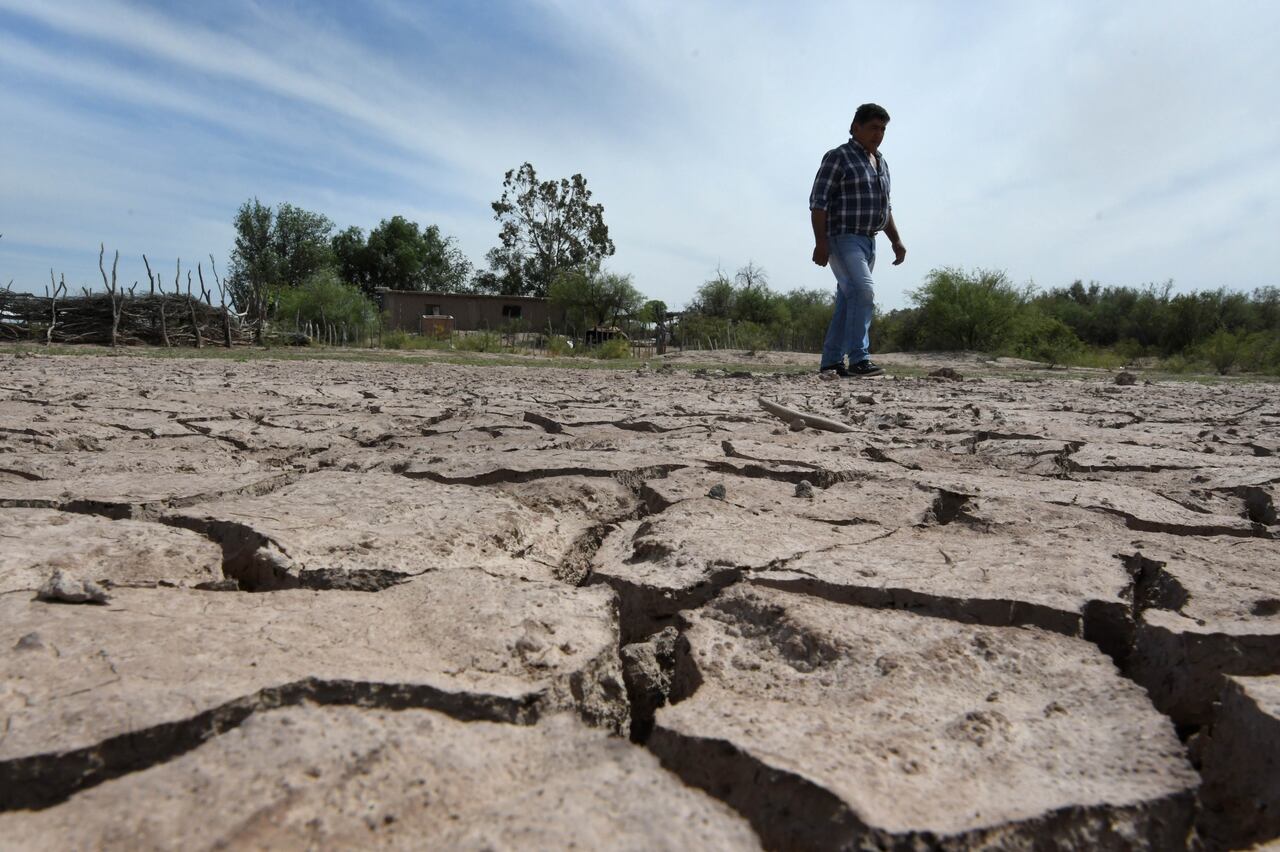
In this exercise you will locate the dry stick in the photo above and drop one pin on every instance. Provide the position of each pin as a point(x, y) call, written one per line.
point(164, 325)
point(191, 305)
point(116, 300)
point(53, 309)
point(222, 298)
point(791, 415)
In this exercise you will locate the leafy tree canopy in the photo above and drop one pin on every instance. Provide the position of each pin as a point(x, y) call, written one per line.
point(274, 249)
point(324, 298)
point(547, 228)
point(401, 255)
point(653, 311)
point(593, 298)
point(973, 311)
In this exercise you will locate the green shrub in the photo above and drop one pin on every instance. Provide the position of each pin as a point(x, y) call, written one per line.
point(973, 311)
point(701, 331)
point(896, 331)
point(1177, 364)
point(750, 336)
point(1222, 350)
point(1129, 350)
point(558, 346)
point(1041, 337)
point(325, 300)
point(613, 349)
point(394, 339)
point(478, 341)
point(1260, 353)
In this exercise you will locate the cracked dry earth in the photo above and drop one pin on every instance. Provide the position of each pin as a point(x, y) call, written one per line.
point(398, 605)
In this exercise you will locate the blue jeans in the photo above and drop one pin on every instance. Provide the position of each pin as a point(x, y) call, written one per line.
point(853, 256)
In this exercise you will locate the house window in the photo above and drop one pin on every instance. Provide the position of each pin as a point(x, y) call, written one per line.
point(433, 310)
point(511, 311)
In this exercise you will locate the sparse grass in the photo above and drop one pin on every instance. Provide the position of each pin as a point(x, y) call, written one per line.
point(478, 341)
point(1167, 370)
point(1103, 359)
point(613, 350)
point(397, 339)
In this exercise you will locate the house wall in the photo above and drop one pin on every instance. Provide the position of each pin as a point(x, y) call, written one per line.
point(470, 312)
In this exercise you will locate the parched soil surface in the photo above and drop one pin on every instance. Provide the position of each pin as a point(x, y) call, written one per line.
point(418, 604)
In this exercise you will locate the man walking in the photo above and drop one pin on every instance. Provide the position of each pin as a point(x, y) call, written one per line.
point(848, 206)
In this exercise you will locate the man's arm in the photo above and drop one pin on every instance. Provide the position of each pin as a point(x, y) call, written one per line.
point(899, 250)
point(823, 182)
point(821, 251)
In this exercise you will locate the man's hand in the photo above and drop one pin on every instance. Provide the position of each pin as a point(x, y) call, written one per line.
point(899, 253)
point(821, 252)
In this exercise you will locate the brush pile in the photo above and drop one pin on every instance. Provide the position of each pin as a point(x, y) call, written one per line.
point(122, 320)
point(119, 317)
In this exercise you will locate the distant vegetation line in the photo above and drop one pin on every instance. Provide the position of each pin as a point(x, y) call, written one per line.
point(292, 270)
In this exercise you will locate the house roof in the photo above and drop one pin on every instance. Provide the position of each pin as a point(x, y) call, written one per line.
point(481, 296)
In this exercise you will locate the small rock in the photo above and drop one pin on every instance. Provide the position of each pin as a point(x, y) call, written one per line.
point(798, 425)
point(946, 373)
point(717, 491)
point(828, 375)
point(804, 489)
point(1124, 377)
point(64, 588)
point(30, 642)
point(865, 399)
point(740, 374)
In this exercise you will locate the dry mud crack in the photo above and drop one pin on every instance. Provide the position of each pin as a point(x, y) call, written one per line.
point(508, 607)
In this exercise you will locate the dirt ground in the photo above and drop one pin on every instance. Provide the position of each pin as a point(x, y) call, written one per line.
point(341, 603)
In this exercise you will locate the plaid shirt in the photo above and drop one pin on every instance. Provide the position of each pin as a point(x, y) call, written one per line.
point(855, 195)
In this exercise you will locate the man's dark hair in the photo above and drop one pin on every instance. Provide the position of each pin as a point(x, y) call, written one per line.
point(869, 112)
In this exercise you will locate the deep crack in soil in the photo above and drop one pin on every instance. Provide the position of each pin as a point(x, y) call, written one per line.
point(659, 558)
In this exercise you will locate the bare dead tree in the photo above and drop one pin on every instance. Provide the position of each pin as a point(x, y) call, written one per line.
point(164, 324)
point(207, 301)
point(117, 298)
point(195, 320)
point(204, 293)
point(59, 289)
point(222, 299)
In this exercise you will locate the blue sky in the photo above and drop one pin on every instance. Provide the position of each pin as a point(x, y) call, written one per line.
point(1126, 143)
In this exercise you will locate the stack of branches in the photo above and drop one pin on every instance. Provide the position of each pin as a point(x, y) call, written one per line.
point(122, 316)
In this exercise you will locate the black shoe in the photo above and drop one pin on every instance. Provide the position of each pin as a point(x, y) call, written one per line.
point(839, 369)
point(865, 368)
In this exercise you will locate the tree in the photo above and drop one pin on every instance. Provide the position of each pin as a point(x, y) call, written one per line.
point(400, 255)
point(547, 228)
point(715, 297)
point(593, 298)
point(326, 300)
point(753, 301)
point(302, 243)
point(973, 311)
point(350, 255)
point(653, 311)
point(273, 250)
